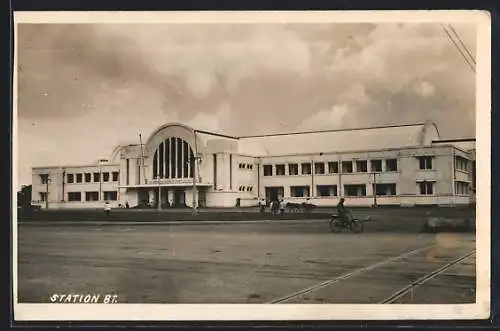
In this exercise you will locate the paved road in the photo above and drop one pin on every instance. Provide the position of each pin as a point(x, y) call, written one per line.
point(241, 263)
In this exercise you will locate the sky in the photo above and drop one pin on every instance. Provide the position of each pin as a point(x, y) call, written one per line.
point(84, 88)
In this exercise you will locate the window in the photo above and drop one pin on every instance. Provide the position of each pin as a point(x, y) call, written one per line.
point(110, 195)
point(250, 166)
point(268, 170)
point(333, 167)
point(91, 196)
point(319, 168)
point(391, 165)
point(70, 178)
point(347, 166)
point(43, 196)
point(361, 166)
point(306, 168)
point(241, 166)
point(249, 188)
point(293, 169)
point(461, 164)
point(461, 188)
point(78, 178)
point(87, 177)
point(326, 190)
point(280, 170)
point(355, 190)
point(115, 176)
point(74, 196)
point(376, 165)
point(97, 177)
point(385, 189)
point(105, 176)
point(299, 191)
point(426, 188)
point(425, 162)
point(241, 188)
point(44, 178)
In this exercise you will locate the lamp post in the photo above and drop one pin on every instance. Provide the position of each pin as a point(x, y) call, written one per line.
point(375, 189)
point(46, 178)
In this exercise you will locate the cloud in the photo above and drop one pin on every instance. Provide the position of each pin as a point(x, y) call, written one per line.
point(424, 89)
point(100, 84)
point(326, 119)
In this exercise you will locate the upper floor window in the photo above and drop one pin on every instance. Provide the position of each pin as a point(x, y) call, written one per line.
point(268, 170)
point(306, 168)
point(319, 168)
point(105, 176)
point(44, 178)
point(87, 177)
point(376, 165)
point(115, 176)
point(347, 166)
point(361, 166)
point(70, 178)
point(280, 170)
point(391, 165)
point(293, 169)
point(425, 162)
point(78, 178)
point(333, 167)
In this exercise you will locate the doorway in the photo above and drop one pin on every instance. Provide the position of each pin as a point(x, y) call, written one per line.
point(274, 193)
point(179, 198)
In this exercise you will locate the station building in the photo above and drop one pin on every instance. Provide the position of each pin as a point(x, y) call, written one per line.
point(404, 165)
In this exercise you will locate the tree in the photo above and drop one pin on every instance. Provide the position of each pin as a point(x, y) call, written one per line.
point(24, 196)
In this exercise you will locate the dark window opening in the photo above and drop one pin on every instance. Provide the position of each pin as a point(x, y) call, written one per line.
point(306, 168)
point(280, 170)
point(333, 167)
point(376, 165)
point(361, 166)
point(347, 166)
point(293, 169)
point(319, 168)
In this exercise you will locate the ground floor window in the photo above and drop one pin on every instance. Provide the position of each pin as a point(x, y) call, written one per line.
point(299, 191)
point(326, 190)
point(461, 188)
point(74, 196)
point(357, 190)
point(385, 189)
point(274, 193)
point(43, 196)
point(110, 195)
point(91, 196)
point(426, 188)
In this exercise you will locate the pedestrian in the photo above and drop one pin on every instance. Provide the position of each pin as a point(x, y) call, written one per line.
point(107, 208)
point(282, 207)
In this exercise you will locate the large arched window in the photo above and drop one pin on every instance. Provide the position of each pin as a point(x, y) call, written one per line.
point(173, 159)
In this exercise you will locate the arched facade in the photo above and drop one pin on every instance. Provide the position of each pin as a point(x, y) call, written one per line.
point(173, 158)
point(170, 152)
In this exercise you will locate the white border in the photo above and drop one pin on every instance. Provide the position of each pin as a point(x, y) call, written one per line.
point(187, 312)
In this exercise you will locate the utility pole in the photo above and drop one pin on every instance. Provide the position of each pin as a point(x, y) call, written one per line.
point(375, 189)
point(195, 173)
point(47, 191)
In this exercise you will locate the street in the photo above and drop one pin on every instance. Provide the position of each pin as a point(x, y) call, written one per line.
point(261, 262)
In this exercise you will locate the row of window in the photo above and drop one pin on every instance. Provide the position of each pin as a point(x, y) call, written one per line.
point(245, 189)
point(461, 164)
point(352, 190)
point(92, 177)
point(321, 168)
point(89, 196)
point(92, 196)
point(462, 188)
point(248, 166)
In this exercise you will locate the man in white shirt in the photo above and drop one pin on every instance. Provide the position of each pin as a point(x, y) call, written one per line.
point(107, 208)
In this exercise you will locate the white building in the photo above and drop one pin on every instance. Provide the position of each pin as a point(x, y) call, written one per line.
point(397, 165)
